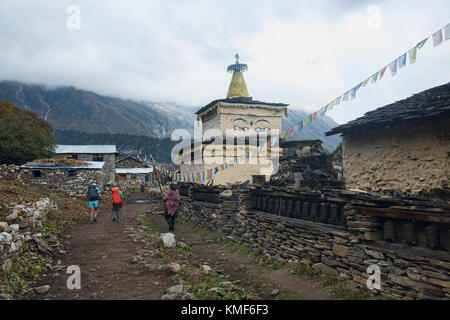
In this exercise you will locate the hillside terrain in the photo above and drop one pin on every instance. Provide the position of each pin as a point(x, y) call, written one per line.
point(80, 111)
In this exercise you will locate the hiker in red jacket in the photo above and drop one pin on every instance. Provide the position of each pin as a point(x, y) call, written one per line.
point(116, 202)
point(171, 200)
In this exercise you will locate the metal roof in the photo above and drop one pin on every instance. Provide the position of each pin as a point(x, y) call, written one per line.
point(65, 148)
point(91, 165)
point(134, 170)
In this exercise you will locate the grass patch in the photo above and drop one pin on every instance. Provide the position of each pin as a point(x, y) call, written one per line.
point(212, 235)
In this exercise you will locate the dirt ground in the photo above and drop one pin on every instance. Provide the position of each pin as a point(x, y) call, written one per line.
point(103, 252)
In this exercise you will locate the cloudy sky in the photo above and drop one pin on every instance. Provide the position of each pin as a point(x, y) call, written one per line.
point(304, 53)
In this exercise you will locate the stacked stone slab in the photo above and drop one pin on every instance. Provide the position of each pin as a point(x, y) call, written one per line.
point(344, 250)
point(306, 164)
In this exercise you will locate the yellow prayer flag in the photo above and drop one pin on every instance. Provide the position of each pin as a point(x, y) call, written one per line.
point(331, 105)
point(365, 82)
point(305, 122)
point(412, 55)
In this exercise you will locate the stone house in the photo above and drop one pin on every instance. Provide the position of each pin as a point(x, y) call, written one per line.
point(132, 169)
point(239, 117)
point(404, 146)
point(97, 153)
point(72, 179)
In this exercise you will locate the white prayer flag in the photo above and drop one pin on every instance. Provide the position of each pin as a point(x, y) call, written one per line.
point(447, 32)
point(437, 38)
point(393, 67)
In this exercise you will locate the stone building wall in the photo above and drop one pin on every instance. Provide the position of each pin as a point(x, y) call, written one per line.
point(57, 179)
point(344, 252)
point(409, 159)
point(109, 168)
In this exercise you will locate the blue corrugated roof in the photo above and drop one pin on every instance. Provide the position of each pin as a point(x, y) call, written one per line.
point(91, 165)
point(65, 148)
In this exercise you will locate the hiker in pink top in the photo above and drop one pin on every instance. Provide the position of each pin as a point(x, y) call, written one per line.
point(171, 200)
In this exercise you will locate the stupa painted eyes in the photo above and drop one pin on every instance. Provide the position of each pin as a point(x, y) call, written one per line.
point(244, 127)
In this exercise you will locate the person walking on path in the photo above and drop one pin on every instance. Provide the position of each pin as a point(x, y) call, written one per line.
point(171, 201)
point(142, 186)
point(93, 195)
point(116, 203)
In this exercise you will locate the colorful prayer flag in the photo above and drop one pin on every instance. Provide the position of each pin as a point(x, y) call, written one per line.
point(382, 71)
point(412, 55)
point(402, 61)
point(437, 38)
point(365, 82)
point(291, 131)
point(330, 106)
point(375, 77)
point(305, 122)
point(345, 98)
point(300, 126)
point(421, 43)
point(315, 115)
point(393, 67)
point(337, 101)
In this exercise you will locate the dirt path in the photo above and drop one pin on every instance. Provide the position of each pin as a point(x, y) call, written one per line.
point(103, 252)
point(239, 265)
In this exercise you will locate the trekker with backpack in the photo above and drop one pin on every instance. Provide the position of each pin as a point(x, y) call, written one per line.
point(116, 202)
point(93, 195)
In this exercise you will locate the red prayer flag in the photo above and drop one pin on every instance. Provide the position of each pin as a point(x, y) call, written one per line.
point(315, 115)
point(291, 131)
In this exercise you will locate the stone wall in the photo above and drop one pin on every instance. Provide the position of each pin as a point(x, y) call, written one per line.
point(57, 179)
point(23, 225)
point(342, 251)
point(410, 159)
point(109, 168)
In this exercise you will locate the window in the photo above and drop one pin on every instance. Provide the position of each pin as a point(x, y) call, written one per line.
point(72, 156)
point(97, 157)
point(36, 174)
point(123, 176)
point(71, 173)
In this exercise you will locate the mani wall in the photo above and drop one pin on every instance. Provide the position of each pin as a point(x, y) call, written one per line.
point(413, 159)
point(323, 232)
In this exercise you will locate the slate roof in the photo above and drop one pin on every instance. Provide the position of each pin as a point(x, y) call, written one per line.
point(428, 105)
point(64, 148)
point(244, 100)
point(134, 170)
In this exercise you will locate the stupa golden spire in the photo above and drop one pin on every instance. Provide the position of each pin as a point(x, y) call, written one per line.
point(237, 88)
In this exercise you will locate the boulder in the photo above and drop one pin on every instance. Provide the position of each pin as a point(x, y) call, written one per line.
point(206, 269)
point(168, 297)
point(3, 226)
point(187, 296)
point(168, 239)
point(174, 267)
point(7, 264)
point(14, 227)
point(42, 289)
point(176, 289)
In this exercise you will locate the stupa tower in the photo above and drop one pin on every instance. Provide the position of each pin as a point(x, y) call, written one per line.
point(238, 87)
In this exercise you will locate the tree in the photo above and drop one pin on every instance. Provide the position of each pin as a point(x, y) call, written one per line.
point(23, 135)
